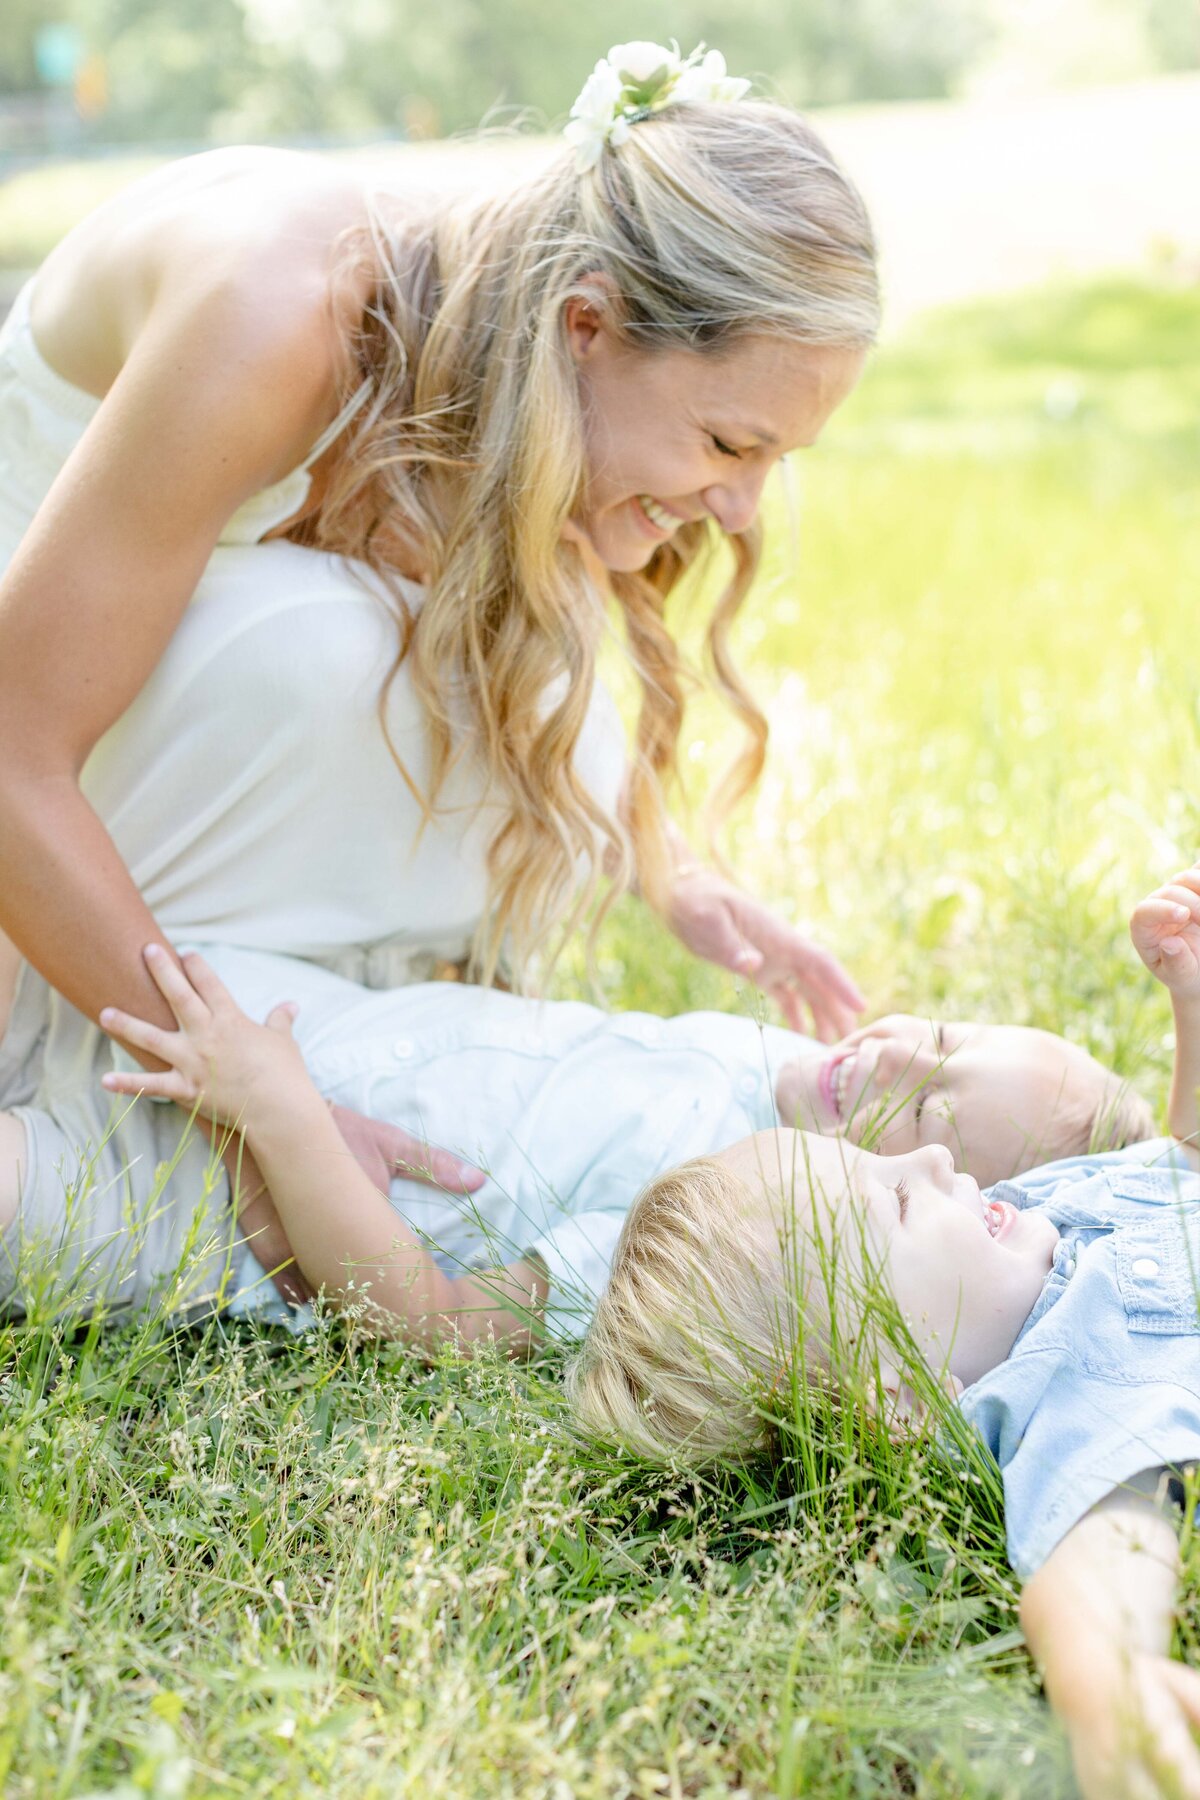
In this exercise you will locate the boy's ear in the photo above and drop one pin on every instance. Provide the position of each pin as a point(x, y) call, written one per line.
point(896, 1407)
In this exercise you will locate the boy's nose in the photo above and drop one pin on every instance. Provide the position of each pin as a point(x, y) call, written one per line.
point(939, 1164)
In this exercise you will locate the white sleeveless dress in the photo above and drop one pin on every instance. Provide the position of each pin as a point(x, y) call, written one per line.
point(249, 787)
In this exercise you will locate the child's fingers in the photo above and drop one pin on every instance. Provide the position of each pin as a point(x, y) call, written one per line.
point(1181, 896)
point(207, 982)
point(169, 1085)
point(175, 988)
point(139, 1033)
point(1158, 911)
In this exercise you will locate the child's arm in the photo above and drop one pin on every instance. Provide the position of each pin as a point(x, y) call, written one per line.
point(345, 1235)
point(1098, 1617)
point(1165, 928)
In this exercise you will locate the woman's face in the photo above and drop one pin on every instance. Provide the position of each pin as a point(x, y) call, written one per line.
point(678, 435)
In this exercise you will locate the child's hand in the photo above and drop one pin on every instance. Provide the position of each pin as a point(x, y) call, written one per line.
point(220, 1061)
point(1165, 928)
point(1137, 1741)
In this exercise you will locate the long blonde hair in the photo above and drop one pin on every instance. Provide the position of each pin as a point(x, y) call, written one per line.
point(711, 222)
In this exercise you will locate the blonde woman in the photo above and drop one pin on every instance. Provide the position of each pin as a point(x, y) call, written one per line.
point(316, 505)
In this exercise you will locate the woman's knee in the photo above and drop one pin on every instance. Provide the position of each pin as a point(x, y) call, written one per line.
point(13, 1159)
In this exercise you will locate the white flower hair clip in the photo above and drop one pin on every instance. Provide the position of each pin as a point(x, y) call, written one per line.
point(635, 80)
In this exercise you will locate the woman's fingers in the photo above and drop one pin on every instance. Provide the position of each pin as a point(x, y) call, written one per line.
point(438, 1168)
point(418, 1161)
point(826, 971)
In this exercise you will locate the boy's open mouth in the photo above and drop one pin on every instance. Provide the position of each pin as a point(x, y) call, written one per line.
point(999, 1216)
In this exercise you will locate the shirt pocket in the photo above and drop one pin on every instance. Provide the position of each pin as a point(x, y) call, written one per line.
point(1158, 1274)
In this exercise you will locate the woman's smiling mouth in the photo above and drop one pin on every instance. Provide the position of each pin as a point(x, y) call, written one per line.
point(661, 522)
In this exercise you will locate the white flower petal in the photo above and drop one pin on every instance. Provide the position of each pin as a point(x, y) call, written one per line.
point(640, 59)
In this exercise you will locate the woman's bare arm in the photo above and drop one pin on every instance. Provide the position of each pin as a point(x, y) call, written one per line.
point(226, 386)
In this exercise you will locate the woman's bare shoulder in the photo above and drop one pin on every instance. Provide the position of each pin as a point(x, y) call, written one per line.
point(245, 236)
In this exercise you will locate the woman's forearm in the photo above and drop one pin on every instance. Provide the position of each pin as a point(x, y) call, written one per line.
point(67, 901)
point(1183, 1109)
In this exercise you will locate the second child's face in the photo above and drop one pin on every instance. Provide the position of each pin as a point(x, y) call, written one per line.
point(995, 1095)
point(677, 435)
point(964, 1271)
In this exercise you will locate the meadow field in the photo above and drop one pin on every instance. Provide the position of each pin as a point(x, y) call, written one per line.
point(236, 1564)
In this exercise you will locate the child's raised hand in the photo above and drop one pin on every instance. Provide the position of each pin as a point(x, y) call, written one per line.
point(219, 1060)
point(1165, 928)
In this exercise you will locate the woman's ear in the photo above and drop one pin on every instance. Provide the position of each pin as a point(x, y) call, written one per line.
point(587, 315)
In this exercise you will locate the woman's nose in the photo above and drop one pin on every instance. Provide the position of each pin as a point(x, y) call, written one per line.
point(734, 504)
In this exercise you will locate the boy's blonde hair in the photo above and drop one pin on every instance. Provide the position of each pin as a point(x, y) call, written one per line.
point(709, 224)
point(696, 1325)
point(702, 1321)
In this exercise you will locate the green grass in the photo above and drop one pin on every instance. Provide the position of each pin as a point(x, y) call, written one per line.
point(234, 1565)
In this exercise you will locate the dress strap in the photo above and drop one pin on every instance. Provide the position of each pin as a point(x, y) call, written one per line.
point(331, 432)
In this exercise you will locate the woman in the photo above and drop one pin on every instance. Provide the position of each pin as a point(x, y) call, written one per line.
point(246, 370)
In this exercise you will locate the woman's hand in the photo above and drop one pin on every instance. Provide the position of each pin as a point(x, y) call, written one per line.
point(384, 1151)
point(1135, 1742)
point(717, 921)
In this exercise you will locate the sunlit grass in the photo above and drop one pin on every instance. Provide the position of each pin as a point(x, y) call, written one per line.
point(232, 1565)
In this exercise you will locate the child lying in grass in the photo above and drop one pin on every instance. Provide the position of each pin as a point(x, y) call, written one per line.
point(571, 1109)
point(1060, 1312)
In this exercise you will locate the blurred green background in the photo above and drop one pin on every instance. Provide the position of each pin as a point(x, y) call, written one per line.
point(243, 1566)
point(135, 71)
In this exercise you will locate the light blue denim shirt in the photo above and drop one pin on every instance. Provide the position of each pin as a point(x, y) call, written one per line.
point(1104, 1378)
point(569, 1109)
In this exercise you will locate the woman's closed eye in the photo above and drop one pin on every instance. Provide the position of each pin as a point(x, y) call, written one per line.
point(902, 1195)
point(725, 449)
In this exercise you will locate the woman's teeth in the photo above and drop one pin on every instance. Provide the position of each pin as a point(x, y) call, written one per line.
point(657, 515)
point(837, 1082)
point(993, 1217)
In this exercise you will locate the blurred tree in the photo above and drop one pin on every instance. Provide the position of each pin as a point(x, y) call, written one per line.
point(20, 21)
point(255, 69)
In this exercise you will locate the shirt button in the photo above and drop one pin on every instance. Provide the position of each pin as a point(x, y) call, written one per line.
point(748, 1086)
point(402, 1048)
point(1146, 1267)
